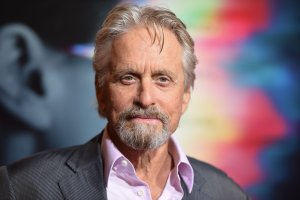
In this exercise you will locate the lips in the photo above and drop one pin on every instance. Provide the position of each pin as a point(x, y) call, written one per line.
point(148, 115)
point(145, 119)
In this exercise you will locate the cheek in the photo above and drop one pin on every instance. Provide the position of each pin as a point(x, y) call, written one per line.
point(174, 122)
point(118, 101)
point(173, 108)
point(175, 118)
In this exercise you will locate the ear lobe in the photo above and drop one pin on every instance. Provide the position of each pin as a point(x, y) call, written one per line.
point(100, 98)
point(21, 86)
point(185, 100)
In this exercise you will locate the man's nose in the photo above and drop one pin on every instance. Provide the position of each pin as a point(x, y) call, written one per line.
point(145, 94)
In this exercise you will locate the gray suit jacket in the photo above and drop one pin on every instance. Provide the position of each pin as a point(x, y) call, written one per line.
point(77, 173)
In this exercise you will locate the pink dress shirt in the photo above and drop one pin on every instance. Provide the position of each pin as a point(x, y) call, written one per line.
point(123, 183)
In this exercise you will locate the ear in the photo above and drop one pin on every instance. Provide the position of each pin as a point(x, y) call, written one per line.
point(100, 97)
point(185, 100)
point(21, 82)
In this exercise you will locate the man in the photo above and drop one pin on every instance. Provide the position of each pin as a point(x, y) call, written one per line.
point(144, 63)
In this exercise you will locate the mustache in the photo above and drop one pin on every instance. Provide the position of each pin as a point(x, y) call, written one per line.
point(149, 112)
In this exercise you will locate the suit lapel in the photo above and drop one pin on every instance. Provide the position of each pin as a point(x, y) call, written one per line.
point(86, 182)
point(198, 191)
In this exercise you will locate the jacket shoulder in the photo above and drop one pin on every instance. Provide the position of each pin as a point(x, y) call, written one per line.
point(206, 169)
point(39, 174)
point(42, 162)
point(215, 183)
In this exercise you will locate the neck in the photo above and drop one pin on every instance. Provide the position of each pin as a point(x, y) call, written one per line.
point(153, 166)
point(150, 163)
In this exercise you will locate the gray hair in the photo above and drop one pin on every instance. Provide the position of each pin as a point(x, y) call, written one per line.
point(124, 17)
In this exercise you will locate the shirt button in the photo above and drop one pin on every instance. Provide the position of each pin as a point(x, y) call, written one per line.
point(115, 168)
point(140, 193)
point(124, 163)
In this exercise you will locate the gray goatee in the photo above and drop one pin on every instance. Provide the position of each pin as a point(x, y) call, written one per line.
point(142, 136)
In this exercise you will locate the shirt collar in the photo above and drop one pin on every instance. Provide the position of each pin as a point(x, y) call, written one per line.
point(182, 165)
point(111, 154)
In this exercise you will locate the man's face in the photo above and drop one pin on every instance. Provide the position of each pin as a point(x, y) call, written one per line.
point(143, 96)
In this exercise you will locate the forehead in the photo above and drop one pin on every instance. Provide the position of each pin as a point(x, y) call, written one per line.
point(141, 46)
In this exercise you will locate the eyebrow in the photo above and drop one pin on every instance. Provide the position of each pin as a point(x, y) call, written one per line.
point(129, 70)
point(164, 72)
point(118, 73)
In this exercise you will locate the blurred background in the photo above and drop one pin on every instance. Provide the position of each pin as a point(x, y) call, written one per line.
point(244, 113)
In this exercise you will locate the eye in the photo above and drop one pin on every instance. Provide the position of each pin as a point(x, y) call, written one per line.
point(163, 80)
point(128, 79)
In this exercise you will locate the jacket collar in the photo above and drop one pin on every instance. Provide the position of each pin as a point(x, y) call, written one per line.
point(85, 182)
point(199, 182)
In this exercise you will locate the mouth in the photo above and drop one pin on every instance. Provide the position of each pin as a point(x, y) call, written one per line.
point(145, 119)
